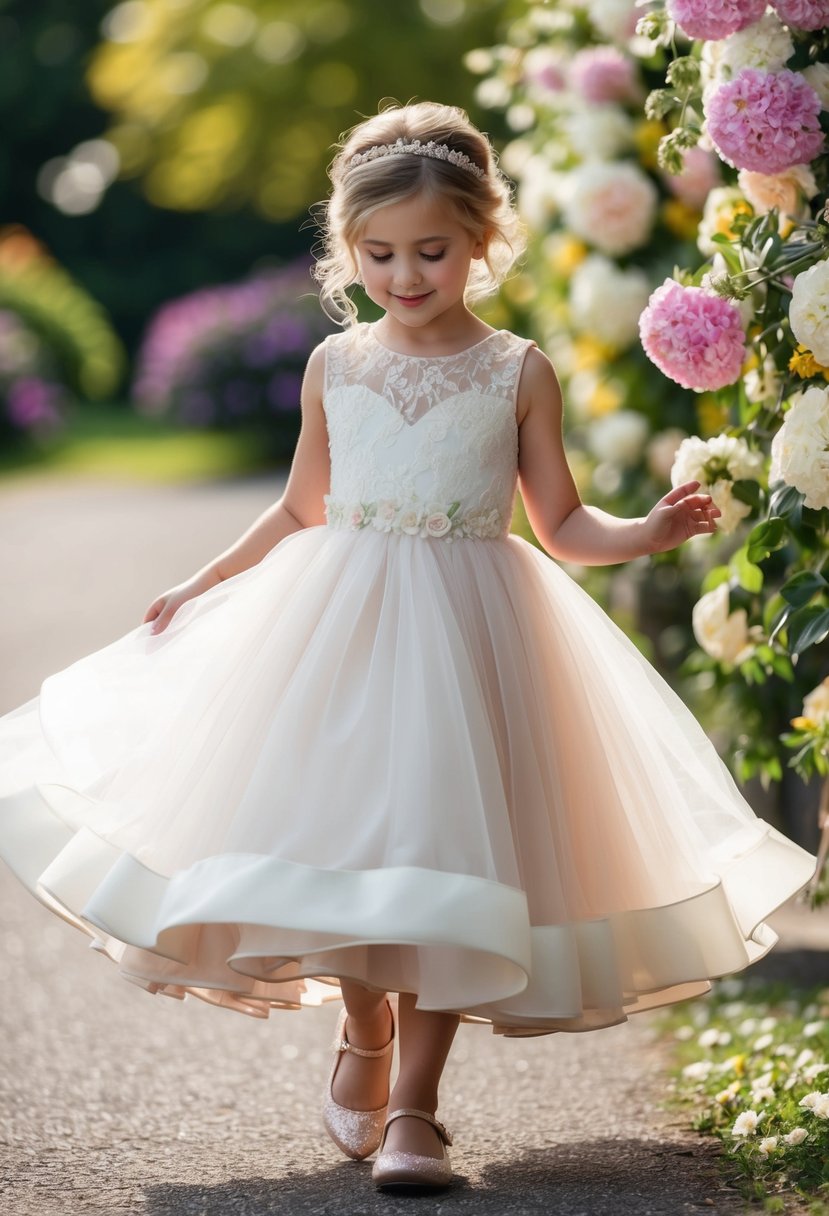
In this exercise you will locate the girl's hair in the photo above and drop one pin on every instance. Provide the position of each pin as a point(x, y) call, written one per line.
point(482, 204)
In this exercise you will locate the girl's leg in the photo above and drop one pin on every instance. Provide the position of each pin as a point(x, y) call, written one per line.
point(361, 1083)
point(425, 1040)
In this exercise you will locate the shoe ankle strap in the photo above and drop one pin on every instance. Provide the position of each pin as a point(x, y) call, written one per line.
point(419, 1114)
point(371, 1053)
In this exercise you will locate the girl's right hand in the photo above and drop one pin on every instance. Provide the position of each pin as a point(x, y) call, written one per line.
point(162, 610)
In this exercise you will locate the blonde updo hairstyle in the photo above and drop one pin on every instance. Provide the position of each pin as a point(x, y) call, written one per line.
point(482, 205)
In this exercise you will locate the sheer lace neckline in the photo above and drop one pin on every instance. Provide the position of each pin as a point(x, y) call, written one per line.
point(429, 358)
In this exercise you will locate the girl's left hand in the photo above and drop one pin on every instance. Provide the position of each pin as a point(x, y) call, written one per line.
point(680, 515)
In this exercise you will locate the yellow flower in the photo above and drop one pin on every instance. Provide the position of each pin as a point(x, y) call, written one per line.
point(588, 353)
point(646, 137)
point(712, 415)
point(803, 724)
point(565, 253)
point(725, 220)
point(605, 398)
point(680, 219)
point(804, 364)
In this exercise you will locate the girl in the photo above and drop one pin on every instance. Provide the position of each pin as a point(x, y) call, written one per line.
point(380, 745)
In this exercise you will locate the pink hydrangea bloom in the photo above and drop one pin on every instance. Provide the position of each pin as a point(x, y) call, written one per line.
point(803, 14)
point(700, 174)
point(603, 73)
point(765, 121)
point(695, 338)
point(715, 19)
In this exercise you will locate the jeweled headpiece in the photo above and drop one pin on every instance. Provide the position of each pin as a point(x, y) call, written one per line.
point(417, 148)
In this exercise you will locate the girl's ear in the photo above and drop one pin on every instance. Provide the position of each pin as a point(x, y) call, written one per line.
point(480, 247)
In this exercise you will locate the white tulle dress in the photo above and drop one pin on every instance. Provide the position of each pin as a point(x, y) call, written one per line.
point(405, 748)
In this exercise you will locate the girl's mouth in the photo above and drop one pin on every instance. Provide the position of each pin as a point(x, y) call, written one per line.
point(413, 301)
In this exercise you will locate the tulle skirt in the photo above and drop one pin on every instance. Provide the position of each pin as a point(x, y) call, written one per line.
point(429, 767)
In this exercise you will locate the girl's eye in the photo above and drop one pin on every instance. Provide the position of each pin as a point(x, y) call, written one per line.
point(380, 257)
point(433, 257)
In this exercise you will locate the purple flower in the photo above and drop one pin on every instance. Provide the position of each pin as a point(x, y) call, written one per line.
point(693, 337)
point(34, 403)
point(284, 389)
point(765, 121)
point(715, 19)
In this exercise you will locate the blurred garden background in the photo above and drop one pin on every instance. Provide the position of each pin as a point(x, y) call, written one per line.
point(160, 162)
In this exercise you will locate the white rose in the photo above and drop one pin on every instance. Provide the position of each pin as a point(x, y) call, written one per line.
point(605, 301)
point(818, 77)
point(610, 205)
point(715, 463)
point(733, 510)
point(410, 521)
point(613, 19)
point(800, 449)
point(765, 44)
point(796, 1136)
point(717, 215)
point(786, 191)
point(538, 192)
point(721, 634)
point(816, 708)
point(598, 132)
point(809, 310)
point(767, 1145)
point(385, 514)
point(618, 438)
point(356, 516)
point(437, 523)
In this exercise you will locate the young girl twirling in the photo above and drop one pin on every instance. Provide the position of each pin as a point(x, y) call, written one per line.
point(382, 746)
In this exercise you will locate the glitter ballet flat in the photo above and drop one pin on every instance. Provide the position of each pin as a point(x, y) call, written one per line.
point(357, 1132)
point(411, 1171)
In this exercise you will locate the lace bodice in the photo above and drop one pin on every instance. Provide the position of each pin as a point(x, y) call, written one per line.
point(424, 446)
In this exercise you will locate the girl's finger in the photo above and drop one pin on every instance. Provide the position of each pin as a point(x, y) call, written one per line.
point(676, 495)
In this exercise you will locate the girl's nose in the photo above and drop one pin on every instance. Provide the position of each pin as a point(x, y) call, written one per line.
point(408, 273)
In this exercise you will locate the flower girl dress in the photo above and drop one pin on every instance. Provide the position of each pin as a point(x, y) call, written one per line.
point(404, 748)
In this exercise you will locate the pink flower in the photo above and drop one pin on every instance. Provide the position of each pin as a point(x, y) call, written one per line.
point(695, 338)
point(803, 14)
point(715, 19)
point(700, 174)
point(603, 73)
point(765, 121)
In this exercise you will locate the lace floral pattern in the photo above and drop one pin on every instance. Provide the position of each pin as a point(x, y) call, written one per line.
point(424, 446)
point(413, 519)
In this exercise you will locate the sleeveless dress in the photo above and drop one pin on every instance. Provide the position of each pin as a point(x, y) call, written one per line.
point(405, 748)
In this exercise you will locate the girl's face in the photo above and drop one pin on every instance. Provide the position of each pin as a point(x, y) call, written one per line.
point(414, 260)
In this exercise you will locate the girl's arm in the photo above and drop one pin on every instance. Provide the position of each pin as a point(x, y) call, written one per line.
point(567, 528)
point(301, 505)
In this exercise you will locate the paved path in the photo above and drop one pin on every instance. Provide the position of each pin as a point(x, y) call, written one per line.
point(115, 1101)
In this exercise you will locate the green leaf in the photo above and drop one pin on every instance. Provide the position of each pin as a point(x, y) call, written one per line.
point(715, 576)
point(728, 251)
point(806, 627)
point(747, 574)
point(747, 490)
point(765, 538)
point(786, 501)
point(802, 587)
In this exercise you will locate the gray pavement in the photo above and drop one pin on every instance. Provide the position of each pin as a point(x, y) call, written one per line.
point(115, 1101)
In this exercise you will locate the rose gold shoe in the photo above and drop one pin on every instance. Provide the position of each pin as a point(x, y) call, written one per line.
point(411, 1171)
point(356, 1132)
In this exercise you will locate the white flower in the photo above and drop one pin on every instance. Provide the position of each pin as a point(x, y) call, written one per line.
point(764, 1041)
point(816, 708)
point(820, 1106)
point(717, 216)
point(437, 522)
point(809, 310)
point(538, 192)
point(800, 449)
point(762, 384)
point(611, 206)
point(661, 452)
point(767, 1145)
point(768, 1023)
point(721, 634)
point(715, 463)
point(709, 1037)
point(806, 1056)
point(785, 1049)
point(746, 1123)
point(765, 44)
point(605, 301)
point(786, 191)
point(684, 1033)
point(697, 1071)
point(796, 1136)
point(356, 516)
point(618, 438)
point(813, 1071)
point(810, 1101)
point(818, 77)
point(597, 132)
point(385, 515)
point(762, 1093)
point(747, 1027)
point(410, 521)
point(613, 19)
point(816, 705)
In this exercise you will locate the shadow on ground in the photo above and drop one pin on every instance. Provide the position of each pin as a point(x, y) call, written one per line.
point(597, 1178)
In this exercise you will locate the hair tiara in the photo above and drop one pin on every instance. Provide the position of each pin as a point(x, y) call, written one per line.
point(431, 149)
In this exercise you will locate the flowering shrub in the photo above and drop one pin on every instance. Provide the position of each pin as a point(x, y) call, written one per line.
point(57, 348)
point(233, 356)
point(753, 1063)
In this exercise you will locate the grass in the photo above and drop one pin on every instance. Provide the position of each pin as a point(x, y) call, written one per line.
point(752, 1070)
point(112, 440)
